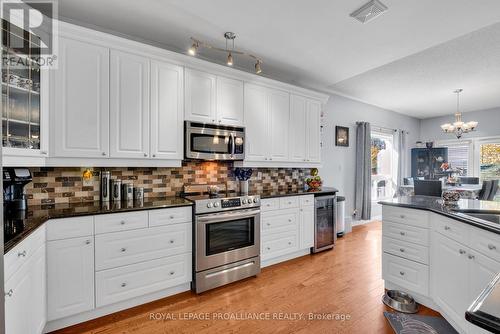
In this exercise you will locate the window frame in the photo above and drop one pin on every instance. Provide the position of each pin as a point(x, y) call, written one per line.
point(471, 171)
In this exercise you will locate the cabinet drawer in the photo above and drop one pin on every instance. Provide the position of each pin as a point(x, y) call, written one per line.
point(170, 216)
point(307, 200)
point(408, 274)
point(135, 280)
point(279, 221)
point(450, 228)
point(66, 228)
point(128, 247)
point(279, 245)
point(413, 217)
point(406, 233)
point(406, 250)
point(270, 204)
point(485, 242)
point(289, 202)
point(120, 222)
point(21, 253)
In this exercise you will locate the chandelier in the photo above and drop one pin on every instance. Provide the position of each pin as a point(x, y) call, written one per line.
point(230, 37)
point(459, 127)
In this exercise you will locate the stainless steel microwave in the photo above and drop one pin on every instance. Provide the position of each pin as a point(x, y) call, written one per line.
point(213, 142)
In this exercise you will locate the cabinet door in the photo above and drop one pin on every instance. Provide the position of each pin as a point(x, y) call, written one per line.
point(70, 275)
point(307, 227)
point(449, 263)
point(229, 101)
point(200, 96)
point(81, 100)
point(279, 119)
point(313, 131)
point(298, 126)
point(129, 105)
point(38, 297)
point(167, 104)
point(256, 121)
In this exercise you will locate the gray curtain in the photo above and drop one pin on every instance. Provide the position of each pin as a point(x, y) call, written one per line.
point(363, 180)
point(402, 159)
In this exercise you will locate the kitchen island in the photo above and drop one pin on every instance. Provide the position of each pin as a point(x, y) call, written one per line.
point(443, 255)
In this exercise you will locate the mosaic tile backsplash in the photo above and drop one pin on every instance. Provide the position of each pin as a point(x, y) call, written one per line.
point(66, 184)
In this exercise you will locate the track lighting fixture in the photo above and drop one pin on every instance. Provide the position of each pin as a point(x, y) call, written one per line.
point(230, 37)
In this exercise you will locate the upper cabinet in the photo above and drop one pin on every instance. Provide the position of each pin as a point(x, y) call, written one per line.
point(80, 113)
point(167, 107)
point(279, 119)
point(213, 99)
point(298, 136)
point(129, 105)
point(313, 121)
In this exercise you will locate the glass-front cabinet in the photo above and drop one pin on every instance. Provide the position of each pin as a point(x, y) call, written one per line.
point(22, 88)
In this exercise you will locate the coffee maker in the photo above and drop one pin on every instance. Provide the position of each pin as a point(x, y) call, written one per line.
point(14, 195)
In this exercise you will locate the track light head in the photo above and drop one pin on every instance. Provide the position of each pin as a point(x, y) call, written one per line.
point(230, 59)
point(258, 68)
point(192, 50)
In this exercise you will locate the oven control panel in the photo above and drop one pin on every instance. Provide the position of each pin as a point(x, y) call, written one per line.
point(225, 204)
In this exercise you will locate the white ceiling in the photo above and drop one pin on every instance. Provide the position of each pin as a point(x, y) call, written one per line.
point(316, 44)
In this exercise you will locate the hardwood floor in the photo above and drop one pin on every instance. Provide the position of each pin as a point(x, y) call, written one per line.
point(345, 281)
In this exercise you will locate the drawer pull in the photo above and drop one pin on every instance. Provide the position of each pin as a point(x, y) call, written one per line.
point(471, 257)
point(402, 250)
point(402, 216)
point(9, 293)
point(289, 242)
point(87, 242)
point(172, 217)
point(402, 233)
point(491, 247)
point(461, 251)
point(268, 224)
point(289, 220)
point(289, 202)
point(447, 228)
point(268, 204)
point(402, 273)
point(124, 285)
point(23, 254)
point(123, 249)
point(122, 222)
point(172, 241)
point(268, 248)
point(172, 272)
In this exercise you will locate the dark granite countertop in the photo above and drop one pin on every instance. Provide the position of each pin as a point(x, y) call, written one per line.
point(18, 225)
point(459, 211)
point(485, 311)
point(272, 193)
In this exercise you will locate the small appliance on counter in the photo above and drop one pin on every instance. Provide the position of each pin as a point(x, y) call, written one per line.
point(14, 194)
point(116, 190)
point(105, 185)
point(127, 192)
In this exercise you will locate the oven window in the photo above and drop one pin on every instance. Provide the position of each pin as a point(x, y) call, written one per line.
point(202, 143)
point(229, 235)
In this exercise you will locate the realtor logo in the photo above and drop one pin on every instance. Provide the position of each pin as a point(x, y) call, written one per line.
point(29, 28)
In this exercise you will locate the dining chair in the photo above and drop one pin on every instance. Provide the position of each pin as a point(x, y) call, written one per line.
point(468, 180)
point(408, 181)
point(484, 193)
point(493, 190)
point(428, 187)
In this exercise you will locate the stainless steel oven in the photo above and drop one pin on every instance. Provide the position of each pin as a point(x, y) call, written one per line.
point(227, 241)
point(214, 142)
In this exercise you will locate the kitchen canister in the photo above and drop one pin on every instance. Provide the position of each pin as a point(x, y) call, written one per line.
point(116, 190)
point(127, 192)
point(138, 193)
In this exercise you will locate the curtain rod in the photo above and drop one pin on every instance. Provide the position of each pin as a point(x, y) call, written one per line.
point(373, 126)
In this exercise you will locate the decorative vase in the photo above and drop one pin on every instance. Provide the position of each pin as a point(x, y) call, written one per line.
point(244, 187)
point(450, 196)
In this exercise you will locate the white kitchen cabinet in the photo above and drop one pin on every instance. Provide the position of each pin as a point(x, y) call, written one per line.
point(313, 131)
point(25, 296)
point(80, 113)
point(70, 275)
point(200, 96)
point(256, 120)
point(298, 128)
point(167, 107)
point(229, 101)
point(129, 105)
point(279, 119)
point(307, 226)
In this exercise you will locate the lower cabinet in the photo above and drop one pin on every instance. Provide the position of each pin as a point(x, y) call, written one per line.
point(70, 273)
point(307, 226)
point(25, 296)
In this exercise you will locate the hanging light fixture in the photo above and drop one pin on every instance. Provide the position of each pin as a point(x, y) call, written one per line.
point(230, 37)
point(459, 127)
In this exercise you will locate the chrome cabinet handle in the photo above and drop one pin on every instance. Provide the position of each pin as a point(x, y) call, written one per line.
point(289, 242)
point(123, 249)
point(491, 247)
point(289, 220)
point(122, 222)
point(471, 257)
point(402, 273)
point(213, 121)
point(44, 153)
point(402, 233)
point(402, 250)
point(289, 202)
point(268, 248)
point(103, 153)
point(172, 241)
point(145, 154)
point(172, 272)
point(9, 293)
point(154, 155)
point(23, 254)
point(446, 228)
point(172, 217)
point(270, 158)
point(268, 224)
point(402, 216)
point(461, 251)
point(87, 242)
point(124, 285)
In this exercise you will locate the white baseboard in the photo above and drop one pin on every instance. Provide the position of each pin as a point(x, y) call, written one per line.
point(105, 310)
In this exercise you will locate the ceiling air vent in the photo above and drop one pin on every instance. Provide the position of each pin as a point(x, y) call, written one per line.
point(369, 11)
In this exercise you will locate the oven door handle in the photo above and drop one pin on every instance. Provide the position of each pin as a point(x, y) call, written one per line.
point(233, 145)
point(221, 217)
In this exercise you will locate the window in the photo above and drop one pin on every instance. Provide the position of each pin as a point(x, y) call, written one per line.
point(382, 165)
point(460, 156)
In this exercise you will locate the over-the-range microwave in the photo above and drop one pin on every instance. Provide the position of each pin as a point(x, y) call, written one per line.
point(213, 142)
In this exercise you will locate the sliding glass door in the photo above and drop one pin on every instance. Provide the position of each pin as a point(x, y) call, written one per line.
point(383, 168)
